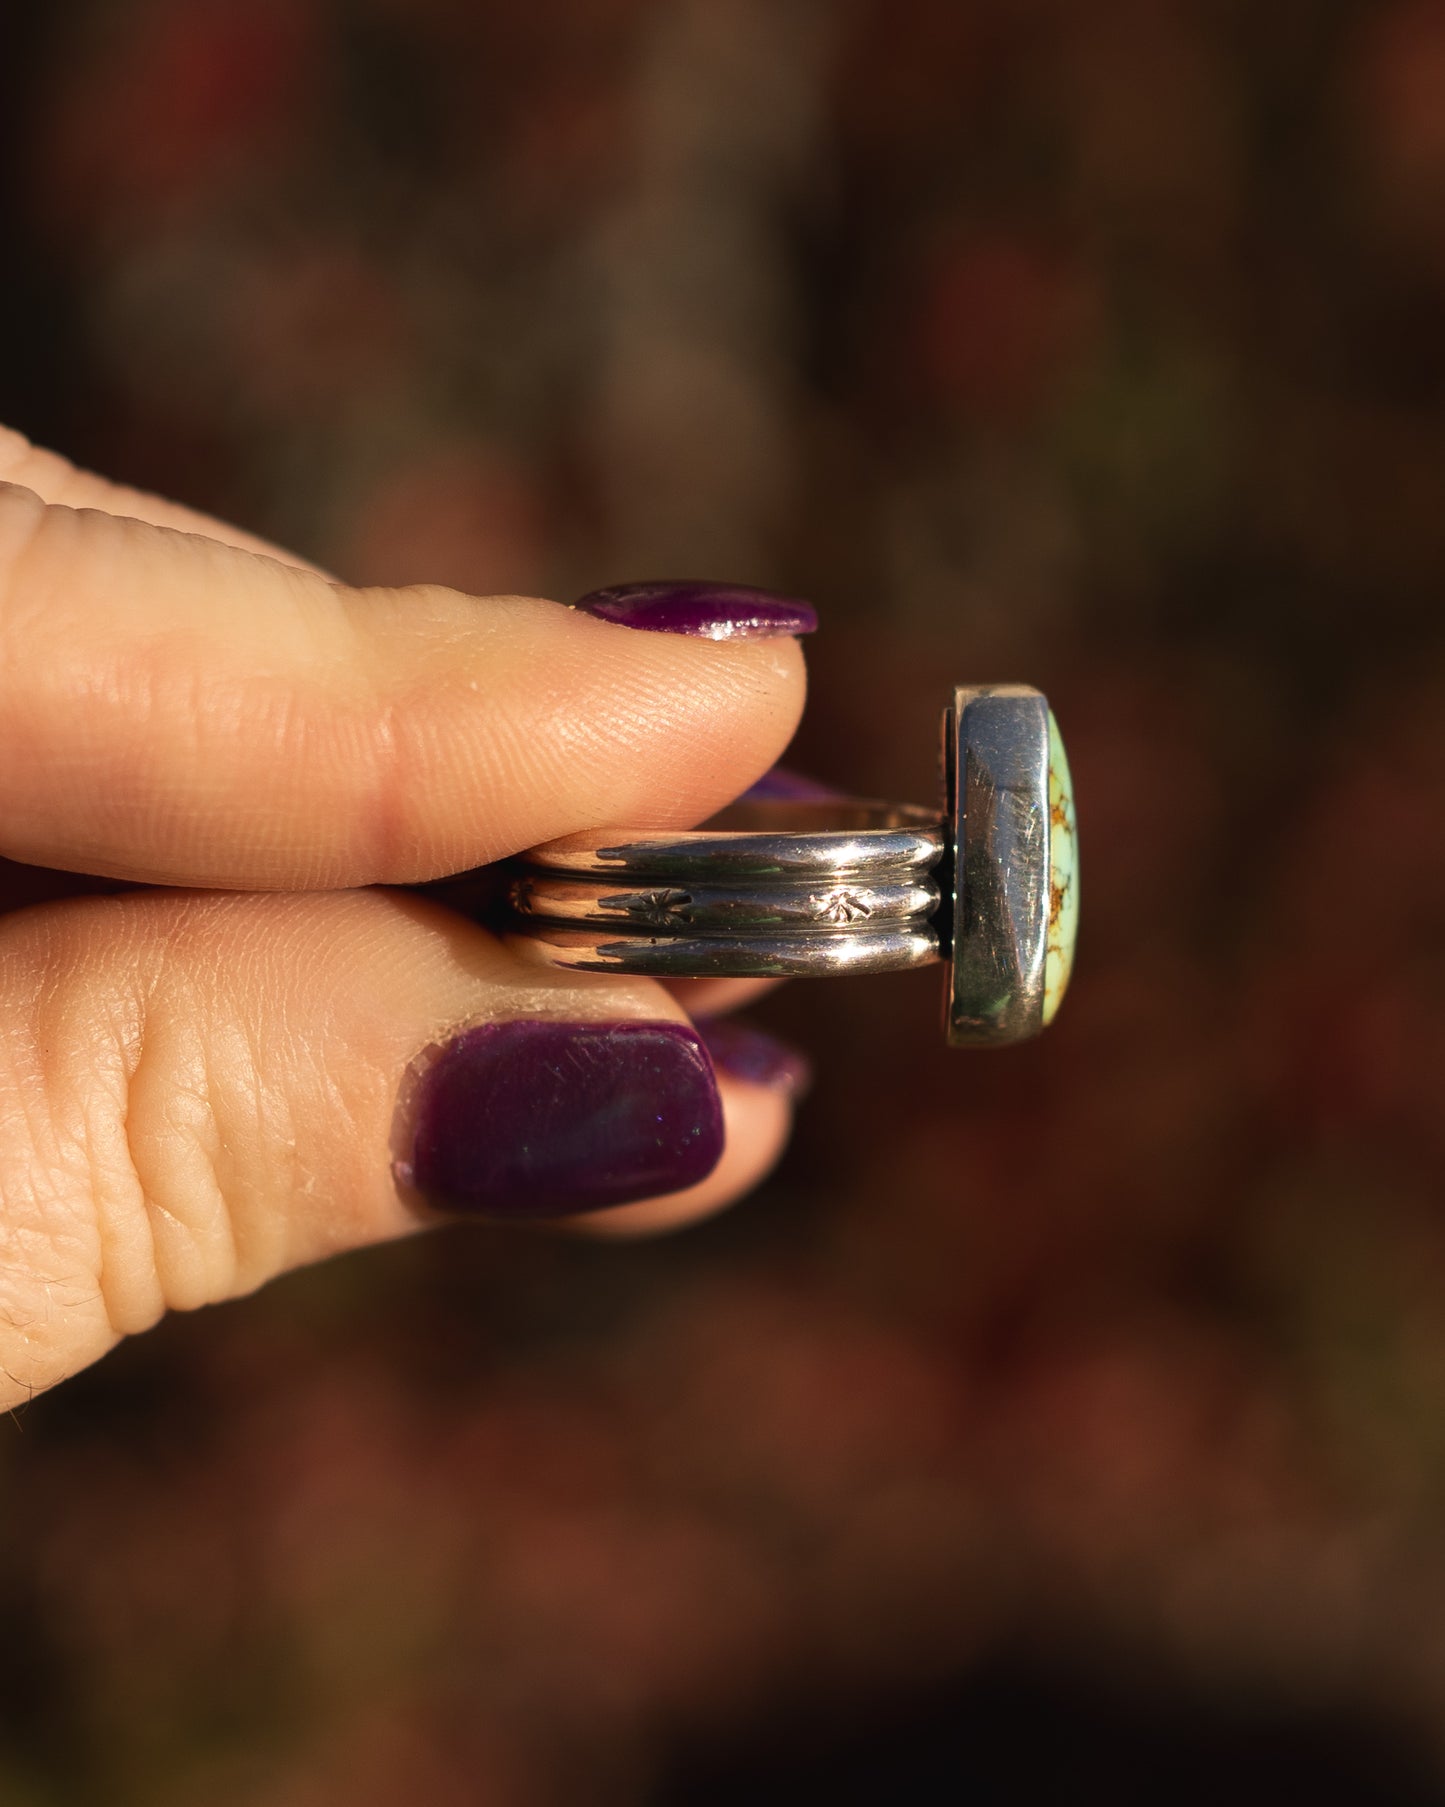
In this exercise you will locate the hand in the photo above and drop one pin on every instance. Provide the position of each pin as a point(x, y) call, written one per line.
point(203, 1087)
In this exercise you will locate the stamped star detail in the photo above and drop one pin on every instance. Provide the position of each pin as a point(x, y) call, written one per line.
point(656, 909)
point(841, 907)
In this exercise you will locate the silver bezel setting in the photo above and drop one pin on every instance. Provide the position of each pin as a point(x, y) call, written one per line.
point(995, 918)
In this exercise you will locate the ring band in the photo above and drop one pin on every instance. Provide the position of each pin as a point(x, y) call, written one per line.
point(739, 908)
point(809, 954)
point(988, 883)
point(766, 890)
point(763, 840)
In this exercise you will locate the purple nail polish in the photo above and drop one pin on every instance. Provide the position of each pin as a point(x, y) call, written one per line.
point(533, 1119)
point(704, 610)
point(783, 785)
point(750, 1054)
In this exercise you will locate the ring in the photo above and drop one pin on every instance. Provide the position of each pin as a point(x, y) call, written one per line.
point(729, 909)
point(987, 883)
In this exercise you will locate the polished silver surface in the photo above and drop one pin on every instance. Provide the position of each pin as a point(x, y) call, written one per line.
point(762, 841)
point(808, 954)
point(855, 903)
point(996, 783)
point(795, 890)
point(765, 890)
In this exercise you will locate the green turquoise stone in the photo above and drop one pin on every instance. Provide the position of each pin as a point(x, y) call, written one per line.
point(1063, 875)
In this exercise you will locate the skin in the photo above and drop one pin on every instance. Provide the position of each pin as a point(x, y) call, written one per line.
point(197, 1092)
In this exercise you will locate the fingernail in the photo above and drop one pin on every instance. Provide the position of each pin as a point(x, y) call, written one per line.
point(706, 611)
point(533, 1119)
point(783, 785)
point(752, 1055)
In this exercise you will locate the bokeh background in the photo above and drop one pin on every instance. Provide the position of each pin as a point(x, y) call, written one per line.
point(1064, 1423)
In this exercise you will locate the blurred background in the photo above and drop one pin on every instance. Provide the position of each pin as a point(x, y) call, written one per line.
point(1067, 1422)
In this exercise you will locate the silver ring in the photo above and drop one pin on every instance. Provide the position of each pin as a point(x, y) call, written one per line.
point(766, 842)
point(988, 882)
point(735, 909)
point(811, 954)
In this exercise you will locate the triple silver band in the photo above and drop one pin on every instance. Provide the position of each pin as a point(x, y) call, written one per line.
point(782, 890)
point(814, 889)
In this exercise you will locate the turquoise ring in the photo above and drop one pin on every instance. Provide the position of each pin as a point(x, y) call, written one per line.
point(986, 883)
point(1012, 880)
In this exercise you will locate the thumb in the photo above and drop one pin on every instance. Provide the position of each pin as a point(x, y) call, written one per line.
point(177, 711)
point(201, 1090)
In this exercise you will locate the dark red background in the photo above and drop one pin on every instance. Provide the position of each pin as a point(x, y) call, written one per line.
point(1062, 1423)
